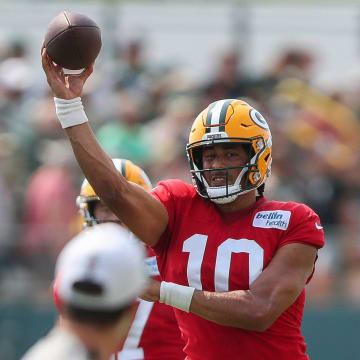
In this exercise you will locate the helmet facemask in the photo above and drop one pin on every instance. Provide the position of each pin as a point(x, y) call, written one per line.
point(87, 210)
point(248, 179)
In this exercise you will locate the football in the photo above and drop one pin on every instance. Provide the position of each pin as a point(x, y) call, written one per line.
point(73, 40)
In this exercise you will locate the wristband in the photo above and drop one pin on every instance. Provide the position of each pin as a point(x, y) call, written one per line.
point(175, 295)
point(70, 112)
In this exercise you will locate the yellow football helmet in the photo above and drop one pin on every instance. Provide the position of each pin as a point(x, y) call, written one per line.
point(87, 198)
point(225, 121)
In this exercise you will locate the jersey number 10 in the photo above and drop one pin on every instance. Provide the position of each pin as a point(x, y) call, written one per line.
point(195, 245)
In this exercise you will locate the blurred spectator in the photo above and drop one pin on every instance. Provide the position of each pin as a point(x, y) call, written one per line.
point(43, 125)
point(123, 134)
point(167, 134)
point(132, 67)
point(349, 246)
point(323, 135)
point(290, 63)
point(229, 81)
point(7, 220)
point(16, 80)
point(131, 70)
point(50, 213)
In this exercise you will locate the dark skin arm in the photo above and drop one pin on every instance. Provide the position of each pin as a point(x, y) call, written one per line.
point(269, 295)
point(144, 215)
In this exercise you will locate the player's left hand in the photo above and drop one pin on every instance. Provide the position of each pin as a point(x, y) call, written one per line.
point(153, 291)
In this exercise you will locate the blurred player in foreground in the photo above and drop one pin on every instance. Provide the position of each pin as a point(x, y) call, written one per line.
point(154, 333)
point(100, 273)
point(235, 264)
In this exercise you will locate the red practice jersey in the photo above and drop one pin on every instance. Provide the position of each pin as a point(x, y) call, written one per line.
point(154, 333)
point(212, 251)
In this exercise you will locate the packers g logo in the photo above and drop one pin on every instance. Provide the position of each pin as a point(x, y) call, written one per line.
point(258, 119)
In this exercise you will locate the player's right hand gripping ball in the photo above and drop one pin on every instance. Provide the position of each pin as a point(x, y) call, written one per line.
point(73, 40)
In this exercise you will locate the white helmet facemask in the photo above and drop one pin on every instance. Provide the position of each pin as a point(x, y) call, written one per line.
point(227, 193)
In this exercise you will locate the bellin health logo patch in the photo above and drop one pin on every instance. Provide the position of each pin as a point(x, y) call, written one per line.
point(278, 219)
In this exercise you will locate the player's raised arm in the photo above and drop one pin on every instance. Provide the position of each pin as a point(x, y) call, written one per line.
point(144, 215)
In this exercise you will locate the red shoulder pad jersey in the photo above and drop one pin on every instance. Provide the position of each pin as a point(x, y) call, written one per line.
point(154, 333)
point(212, 251)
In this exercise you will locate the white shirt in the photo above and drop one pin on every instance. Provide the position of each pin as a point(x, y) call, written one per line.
point(58, 344)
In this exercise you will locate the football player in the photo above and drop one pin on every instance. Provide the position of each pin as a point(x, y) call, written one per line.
point(154, 334)
point(234, 263)
point(100, 273)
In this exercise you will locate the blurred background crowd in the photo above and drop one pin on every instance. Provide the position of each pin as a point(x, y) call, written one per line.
point(142, 110)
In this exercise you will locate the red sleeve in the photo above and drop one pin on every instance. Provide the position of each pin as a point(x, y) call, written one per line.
point(304, 227)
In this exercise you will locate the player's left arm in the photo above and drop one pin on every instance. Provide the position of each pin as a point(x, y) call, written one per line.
point(276, 288)
point(269, 295)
